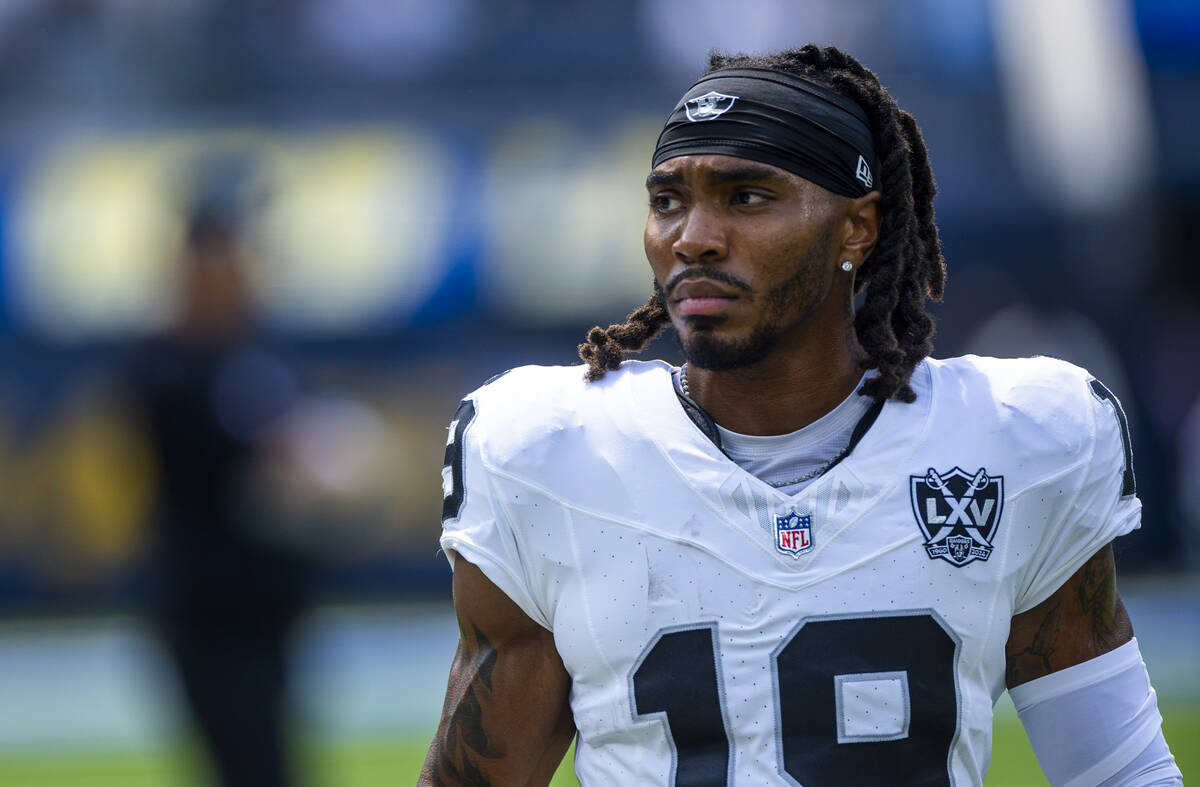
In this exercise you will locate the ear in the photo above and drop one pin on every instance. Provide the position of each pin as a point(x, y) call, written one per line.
point(860, 222)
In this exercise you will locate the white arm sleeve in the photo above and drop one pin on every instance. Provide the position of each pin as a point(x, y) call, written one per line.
point(1097, 723)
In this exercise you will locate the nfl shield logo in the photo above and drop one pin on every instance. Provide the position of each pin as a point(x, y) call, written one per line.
point(708, 106)
point(958, 512)
point(793, 534)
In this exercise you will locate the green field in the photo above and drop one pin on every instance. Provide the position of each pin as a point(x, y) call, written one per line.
point(393, 762)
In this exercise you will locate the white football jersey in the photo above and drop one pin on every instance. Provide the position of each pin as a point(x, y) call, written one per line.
point(718, 631)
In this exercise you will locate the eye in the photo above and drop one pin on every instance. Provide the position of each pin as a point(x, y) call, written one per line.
point(749, 198)
point(665, 202)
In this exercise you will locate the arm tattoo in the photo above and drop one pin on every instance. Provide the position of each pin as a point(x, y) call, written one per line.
point(461, 737)
point(1035, 658)
point(1083, 619)
point(1097, 594)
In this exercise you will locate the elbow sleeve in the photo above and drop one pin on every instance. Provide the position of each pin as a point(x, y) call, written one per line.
point(1097, 723)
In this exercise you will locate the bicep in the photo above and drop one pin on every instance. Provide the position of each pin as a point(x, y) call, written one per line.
point(506, 718)
point(1081, 620)
point(1081, 689)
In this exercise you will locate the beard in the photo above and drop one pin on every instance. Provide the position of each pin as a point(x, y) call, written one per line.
point(793, 301)
point(704, 349)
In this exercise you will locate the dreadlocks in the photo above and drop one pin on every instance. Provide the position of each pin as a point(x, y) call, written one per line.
point(906, 266)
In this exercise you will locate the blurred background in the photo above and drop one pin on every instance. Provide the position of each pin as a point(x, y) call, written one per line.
point(252, 253)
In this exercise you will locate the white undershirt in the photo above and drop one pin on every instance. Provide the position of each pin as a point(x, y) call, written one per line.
point(780, 458)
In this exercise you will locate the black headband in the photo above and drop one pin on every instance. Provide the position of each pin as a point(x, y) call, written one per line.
point(778, 119)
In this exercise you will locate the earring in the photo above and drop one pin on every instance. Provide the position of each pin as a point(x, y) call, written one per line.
point(847, 266)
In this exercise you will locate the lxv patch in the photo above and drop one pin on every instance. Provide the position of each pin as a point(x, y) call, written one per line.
point(958, 513)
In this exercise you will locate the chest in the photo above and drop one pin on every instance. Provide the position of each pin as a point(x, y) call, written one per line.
point(628, 586)
point(870, 641)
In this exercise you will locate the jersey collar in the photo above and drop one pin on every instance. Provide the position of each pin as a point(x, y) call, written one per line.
point(708, 427)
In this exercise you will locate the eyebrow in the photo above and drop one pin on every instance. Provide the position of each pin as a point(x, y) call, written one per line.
point(740, 173)
point(662, 179)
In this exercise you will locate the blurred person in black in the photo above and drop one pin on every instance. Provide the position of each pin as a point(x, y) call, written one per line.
point(231, 588)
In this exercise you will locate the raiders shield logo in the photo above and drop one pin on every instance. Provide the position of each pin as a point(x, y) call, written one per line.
point(958, 512)
point(708, 106)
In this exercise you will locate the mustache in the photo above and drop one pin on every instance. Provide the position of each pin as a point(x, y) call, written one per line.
point(712, 274)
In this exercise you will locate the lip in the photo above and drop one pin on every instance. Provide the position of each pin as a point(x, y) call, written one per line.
point(699, 297)
point(701, 288)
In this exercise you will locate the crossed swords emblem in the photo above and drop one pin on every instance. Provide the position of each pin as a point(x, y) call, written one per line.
point(958, 505)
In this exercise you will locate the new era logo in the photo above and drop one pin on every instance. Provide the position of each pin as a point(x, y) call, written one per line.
point(863, 172)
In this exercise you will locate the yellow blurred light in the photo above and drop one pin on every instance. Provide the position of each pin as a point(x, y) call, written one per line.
point(354, 226)
point(350, 224)
point(564, 222)
point(108, 473)
point(95, 232)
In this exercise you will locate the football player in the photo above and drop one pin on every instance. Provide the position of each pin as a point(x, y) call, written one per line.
point(812, 555)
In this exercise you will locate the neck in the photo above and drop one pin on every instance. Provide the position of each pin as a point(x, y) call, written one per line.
point(780, 394)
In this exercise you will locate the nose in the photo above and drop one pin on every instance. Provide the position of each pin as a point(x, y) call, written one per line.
point(702, 238)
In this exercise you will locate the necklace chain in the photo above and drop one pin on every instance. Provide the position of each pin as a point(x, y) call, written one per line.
point(819, 470)
point(809, 475)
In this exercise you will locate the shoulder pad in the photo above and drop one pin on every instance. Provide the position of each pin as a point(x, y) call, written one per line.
point(533, 414)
